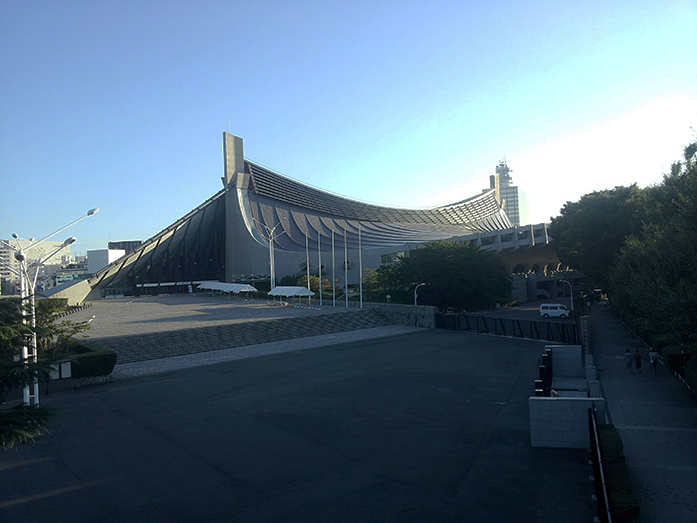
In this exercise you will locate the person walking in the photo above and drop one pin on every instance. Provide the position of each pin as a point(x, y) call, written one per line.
point(637, 361)
point(653, 359)
point(628, 360)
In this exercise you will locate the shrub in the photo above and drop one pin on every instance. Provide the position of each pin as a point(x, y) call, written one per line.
point(51, 305)
point(91, 360)
point(624, 506)
point(678, 357)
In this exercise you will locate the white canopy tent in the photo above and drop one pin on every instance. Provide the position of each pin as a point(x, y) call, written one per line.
point(231, 288)
point(291, 291)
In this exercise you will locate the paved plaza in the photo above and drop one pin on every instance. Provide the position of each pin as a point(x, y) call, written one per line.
point(147, 315)
point(421, 426)
point(390, 423)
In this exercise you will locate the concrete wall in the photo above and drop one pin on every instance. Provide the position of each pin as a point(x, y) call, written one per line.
point(76, 291)
point(562, 422)
point(243, 254)
point(423, 316)
point(417, 316)
point(567, 361)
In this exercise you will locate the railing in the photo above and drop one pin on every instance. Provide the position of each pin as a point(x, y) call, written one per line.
point(532, 329)
point(543, 386)
point(598, 468)
point(73, 308)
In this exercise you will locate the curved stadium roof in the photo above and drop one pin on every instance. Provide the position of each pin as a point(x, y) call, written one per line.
point(270, 199)
point(195, 247)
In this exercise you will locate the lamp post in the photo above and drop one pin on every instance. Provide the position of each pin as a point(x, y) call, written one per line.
point(416, 289)
point(271, 236)
point(27, 287)
point(571, 293)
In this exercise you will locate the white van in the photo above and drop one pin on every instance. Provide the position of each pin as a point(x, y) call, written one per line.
point(553, 310)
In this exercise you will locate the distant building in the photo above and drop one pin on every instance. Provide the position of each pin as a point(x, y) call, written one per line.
point(9, 266)
point(100, 258)
point(511, 198)
point(72, 271)
point(129, 245)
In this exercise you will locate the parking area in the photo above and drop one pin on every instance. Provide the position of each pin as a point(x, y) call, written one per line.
point(526, 311)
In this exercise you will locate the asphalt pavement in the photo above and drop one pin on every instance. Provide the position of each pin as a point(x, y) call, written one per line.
point(423, 426)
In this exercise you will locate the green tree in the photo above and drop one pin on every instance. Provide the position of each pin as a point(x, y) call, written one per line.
point(54, 337)
point(589, 234)
point(656, 275)
point(21, 423)
point(314, 284)
point(457, 274)
point(641, 243)
point(289, 281)
point(371, 284)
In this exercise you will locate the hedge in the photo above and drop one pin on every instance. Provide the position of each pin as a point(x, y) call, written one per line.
point(91, 360)
point(624, 506)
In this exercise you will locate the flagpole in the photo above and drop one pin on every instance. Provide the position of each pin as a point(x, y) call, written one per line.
point(307, 262)
point(360, 266)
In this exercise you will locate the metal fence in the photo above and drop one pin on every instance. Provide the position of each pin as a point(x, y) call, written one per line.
point(598, 468)
point(554, 331)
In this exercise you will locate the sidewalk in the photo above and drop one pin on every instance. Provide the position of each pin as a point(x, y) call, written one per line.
point(656, 417)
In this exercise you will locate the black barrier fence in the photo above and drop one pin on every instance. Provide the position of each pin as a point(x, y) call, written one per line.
point(554, 331)
point(598, 468)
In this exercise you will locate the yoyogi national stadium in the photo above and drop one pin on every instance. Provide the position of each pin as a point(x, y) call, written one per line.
point(227, 237)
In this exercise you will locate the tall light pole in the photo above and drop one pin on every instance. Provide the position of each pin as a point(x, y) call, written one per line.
point(270, 237)
point(416, 289)
point(27, 287)
point(571, 293)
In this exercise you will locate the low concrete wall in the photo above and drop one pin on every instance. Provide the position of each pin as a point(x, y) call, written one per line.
point(567, 361)
point(562, 422)
point(412, 315)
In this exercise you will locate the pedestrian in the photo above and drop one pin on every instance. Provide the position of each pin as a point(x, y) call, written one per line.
point(628, 359)
point(653, 359)
point(637, 361)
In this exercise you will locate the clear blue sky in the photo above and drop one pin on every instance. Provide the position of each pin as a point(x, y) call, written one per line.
point(121, 105)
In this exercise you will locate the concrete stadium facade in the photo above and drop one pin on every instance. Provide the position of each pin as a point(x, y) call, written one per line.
point(226, 238)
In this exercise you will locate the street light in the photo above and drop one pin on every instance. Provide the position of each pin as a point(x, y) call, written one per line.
point(270, 238)
point(27, 287)
point(571, 293)
point(416, 289)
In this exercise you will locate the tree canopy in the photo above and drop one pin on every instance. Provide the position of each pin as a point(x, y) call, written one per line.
point(23, 422)
point(641, 244)
point(457, 274)
point(590, 233)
